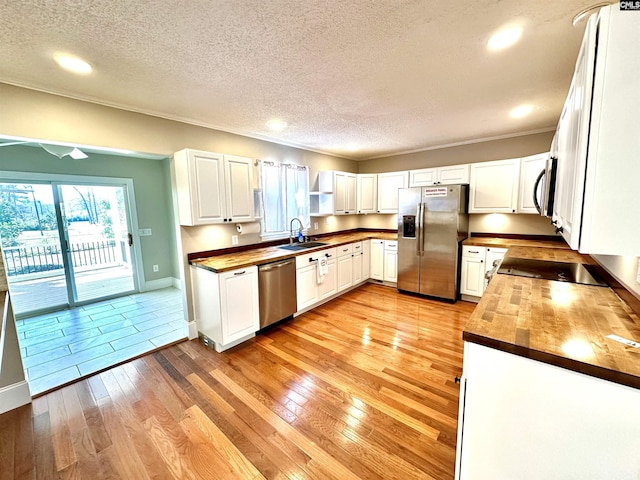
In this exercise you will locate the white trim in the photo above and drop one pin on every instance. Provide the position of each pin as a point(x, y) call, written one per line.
point(176, 283)
point(459, 144)
point(165, 282)
point(14, 396)
point(193, 330)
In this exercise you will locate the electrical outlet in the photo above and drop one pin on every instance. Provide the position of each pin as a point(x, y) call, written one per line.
point(144, 232)
point(315, 225)
point(638, 274)
point(234, 239)
point(156, 268)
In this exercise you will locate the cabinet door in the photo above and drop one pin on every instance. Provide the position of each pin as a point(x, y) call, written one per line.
point(339, 193)
point(472, 276)
point(516, 402)
point(494, 186)
point(530, 168)
point(367, 193)
point(366, 259)
point(423, 177)
point(493, 255)
point(377, 260)
point(390, 266)
point(453, 174)
point(239, 183)
point(239, 303)
point(208, 200)
point(345, 272)
point(351, 206)
point(306, 286)
point(357, 267)
point(329, 285)
point(573, 139)
point(388, 186)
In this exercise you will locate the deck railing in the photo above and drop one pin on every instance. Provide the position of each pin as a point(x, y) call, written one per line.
point(44, 258)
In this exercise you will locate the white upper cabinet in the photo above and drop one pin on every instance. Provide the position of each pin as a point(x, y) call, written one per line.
point(494, 186)
point(449, 175)
point(239, 192)
point(337, 192)
point(598, 141)
point(388, 186)
point(530, 168)
point(367, 193)
point(212, 187)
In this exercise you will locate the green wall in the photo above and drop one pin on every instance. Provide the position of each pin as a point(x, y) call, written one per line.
point(151, 184)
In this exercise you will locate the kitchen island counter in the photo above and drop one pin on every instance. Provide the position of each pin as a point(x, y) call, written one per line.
point(559, 323)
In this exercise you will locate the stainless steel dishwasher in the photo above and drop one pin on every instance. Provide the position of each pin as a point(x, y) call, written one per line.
point(277, 291)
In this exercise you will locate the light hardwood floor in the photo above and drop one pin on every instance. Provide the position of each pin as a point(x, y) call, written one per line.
point(361, 387)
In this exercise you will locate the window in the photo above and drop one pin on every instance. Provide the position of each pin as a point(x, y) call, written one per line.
point(285, 195)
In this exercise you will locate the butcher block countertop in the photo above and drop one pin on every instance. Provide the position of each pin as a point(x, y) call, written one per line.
point(259, 256)
point(559, 323)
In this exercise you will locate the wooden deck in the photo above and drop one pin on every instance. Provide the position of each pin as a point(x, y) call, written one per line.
point(44, 293)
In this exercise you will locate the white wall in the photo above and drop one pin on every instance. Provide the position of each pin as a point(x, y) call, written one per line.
point(625, 269)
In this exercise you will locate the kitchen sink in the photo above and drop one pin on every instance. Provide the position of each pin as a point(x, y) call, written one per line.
point(302, 246)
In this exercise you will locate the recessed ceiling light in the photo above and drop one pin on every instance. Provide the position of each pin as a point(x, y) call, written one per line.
point(504, 38)
point(72, 64)
point(276, 125)
point(521, 111)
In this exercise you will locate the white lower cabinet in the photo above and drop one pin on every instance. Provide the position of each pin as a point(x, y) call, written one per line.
point(377, 260)
point(366, 259)
point(329, 285)
point(345, 267)
point(472, 281)
point(390, 261)
point(306, 286)
point(476, 263)
point(226, 305)
point(525, 419)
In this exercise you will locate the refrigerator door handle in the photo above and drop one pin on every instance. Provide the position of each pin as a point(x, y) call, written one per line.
point(418, 228)
point(420, 235)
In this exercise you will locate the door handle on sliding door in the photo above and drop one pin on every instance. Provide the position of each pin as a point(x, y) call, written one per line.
point(130, 239)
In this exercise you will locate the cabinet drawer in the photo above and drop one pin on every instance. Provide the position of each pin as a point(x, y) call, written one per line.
point(391, 245)
point(473, 251)
point(306, 259)
point(357, 247)
point(345, 250)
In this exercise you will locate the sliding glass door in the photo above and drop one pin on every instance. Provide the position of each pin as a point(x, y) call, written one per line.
point(65, 244)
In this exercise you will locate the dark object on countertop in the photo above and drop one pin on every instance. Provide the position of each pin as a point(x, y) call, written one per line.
point(559, 271)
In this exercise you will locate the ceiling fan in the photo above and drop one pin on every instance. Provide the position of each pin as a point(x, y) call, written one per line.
point(57, 150)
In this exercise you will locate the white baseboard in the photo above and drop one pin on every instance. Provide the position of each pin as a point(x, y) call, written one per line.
point(177, 283)
point(193, 330)
point(165, 282)
point(14, 396)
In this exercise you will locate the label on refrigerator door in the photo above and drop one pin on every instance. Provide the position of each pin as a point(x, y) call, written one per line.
point(435, 192)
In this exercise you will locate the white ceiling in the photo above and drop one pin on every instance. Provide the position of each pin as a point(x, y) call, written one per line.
point(389, 76)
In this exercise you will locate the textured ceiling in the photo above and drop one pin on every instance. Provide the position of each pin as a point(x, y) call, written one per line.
point(389, 76)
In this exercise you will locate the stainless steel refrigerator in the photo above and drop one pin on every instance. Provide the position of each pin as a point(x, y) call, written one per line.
point(432, 222)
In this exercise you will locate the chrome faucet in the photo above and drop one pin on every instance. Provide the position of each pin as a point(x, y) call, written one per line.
point(291, 228)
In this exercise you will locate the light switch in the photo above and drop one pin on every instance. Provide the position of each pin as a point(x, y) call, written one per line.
point(638, 272)
point(144, 232)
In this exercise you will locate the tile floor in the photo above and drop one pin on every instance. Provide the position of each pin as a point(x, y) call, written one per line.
point(63, 346)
